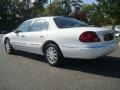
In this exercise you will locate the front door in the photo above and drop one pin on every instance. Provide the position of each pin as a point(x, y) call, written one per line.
point(19, 40)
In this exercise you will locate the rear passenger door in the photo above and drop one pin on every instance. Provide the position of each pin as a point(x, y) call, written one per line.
point(36, 36)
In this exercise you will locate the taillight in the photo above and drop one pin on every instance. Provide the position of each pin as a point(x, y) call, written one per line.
point(89, 36)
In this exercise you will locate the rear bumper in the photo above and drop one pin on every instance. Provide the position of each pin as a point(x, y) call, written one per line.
point(89, 52)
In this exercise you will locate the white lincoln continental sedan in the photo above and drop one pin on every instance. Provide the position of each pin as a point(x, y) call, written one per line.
point(58, 36)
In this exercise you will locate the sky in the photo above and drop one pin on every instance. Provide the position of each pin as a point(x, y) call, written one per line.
point(89, 1)
point(85, 1)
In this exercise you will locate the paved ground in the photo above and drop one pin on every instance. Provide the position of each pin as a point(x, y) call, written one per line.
point(25, 71)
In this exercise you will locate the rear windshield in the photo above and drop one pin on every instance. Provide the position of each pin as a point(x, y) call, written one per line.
point(64, 22)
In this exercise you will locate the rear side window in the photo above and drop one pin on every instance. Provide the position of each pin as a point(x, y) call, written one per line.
point(64, 22)
point(39, 25)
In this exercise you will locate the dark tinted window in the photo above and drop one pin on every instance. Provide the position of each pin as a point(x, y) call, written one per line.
point(63, 22)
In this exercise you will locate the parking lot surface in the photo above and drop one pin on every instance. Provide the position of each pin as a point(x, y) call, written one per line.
point(25, 71)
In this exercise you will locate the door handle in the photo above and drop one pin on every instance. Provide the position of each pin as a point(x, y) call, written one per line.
point(22, 36)
point(41, 36)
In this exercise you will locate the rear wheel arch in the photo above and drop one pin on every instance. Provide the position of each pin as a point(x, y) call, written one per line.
point(52, 53)
point(50, 42)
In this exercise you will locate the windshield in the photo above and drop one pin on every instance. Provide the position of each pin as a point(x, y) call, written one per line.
point(63, 22)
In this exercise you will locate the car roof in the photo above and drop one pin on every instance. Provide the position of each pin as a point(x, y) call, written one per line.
point(46, 18)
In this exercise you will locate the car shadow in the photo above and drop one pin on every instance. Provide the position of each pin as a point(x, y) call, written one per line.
point(106, 66)
point(31, 56)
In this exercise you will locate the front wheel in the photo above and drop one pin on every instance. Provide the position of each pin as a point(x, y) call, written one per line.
point(8, 47)
point(53, 55)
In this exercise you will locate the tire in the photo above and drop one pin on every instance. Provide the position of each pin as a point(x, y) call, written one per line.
point(53, 55)
point(8, 47)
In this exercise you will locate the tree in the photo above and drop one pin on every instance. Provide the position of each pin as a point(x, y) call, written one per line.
point(8, 13)
point(13, 12)
point(111, 9)
point(39, 7)
point(65, 5)
point(54, 9)
point(62, 7)
point(76, 3)
point(77, 12)
point(68, 4)
point(88, 10)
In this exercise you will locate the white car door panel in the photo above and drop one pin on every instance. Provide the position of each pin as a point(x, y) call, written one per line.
point(34, 41)
point(19, 41)
point(36, 36)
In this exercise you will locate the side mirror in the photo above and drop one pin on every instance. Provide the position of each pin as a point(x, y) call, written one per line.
point(17, 31)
